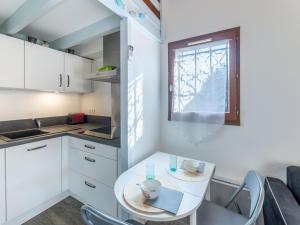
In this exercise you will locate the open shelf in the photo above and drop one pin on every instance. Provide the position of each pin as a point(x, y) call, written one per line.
point(105, 76)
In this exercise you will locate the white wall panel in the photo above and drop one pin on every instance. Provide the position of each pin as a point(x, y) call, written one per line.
point(268, 138)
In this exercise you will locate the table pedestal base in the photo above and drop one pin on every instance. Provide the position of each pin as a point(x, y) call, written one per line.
point(193, 218)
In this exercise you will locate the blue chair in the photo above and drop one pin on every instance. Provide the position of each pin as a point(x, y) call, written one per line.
point(91, 216)
point(212, 214)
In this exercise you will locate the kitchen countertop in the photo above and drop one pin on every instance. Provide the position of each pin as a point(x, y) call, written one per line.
point(54, 131)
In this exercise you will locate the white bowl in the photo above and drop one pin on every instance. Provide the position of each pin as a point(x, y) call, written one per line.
point(150, 188)
point(192, 166)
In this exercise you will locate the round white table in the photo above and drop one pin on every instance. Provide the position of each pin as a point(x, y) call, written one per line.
point(193, 192)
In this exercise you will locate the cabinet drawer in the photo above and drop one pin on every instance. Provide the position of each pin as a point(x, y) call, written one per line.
point(94, 193)
point(102, 169)
point(94, 148)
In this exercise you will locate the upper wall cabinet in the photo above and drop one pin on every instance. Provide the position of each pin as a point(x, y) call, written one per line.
point(44, 68)
point(12, 62)
point(75, 69)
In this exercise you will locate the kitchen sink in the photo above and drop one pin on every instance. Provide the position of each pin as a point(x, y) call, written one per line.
point(16, 135)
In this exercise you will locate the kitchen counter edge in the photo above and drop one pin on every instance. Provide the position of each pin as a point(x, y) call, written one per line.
point(113, 143)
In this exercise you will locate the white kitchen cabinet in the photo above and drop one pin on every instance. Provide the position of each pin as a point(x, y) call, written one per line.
point(2, 186)
point(33, 175)
point(94, 148)
point(102, 169)
point(44, 68)
point(94, 193)
point(93, 172)
point(12, 62)
point(65, 170)
point(75, 69)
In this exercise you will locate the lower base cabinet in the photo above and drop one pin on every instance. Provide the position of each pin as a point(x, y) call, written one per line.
point(38, 172)
point(94, 193)
point(2, 186)
point(93, 172)
point(33, 175)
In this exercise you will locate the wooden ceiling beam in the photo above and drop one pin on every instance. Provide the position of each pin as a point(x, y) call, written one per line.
point(152, 8)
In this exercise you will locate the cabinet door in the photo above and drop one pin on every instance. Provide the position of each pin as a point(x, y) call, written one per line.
point(75, 69)
point(12, 62)
point(2, 186)
point(65, 171)
point(44, 68)
point(33, 175)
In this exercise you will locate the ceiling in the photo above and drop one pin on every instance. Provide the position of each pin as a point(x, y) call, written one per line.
point(8, 7)
point(63, 19)
point(67, 17)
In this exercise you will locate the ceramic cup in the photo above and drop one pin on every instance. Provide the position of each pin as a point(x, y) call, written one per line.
point(150, 188)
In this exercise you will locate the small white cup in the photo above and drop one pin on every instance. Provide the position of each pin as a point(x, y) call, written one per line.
point(150, 188)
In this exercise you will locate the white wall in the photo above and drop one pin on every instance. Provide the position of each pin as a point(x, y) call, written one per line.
point(268, 138)
point(99, 100)
point(143, 94)
point(17, 104)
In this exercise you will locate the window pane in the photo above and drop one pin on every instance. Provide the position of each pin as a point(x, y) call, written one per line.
point(201, 78)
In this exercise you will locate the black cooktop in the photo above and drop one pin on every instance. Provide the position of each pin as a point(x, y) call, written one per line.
point(103, 130)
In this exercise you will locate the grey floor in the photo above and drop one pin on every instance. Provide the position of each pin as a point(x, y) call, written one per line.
point(67, 212)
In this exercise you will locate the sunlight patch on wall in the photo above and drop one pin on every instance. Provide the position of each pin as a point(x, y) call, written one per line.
point(135, 110)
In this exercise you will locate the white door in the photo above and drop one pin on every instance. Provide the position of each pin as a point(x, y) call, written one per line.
point(33, 175)
point(75, 70)
point(44, 68)
point(2, 186)
point(11, 62)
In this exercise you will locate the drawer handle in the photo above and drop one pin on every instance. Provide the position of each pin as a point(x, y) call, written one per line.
point(89, 159)
point(89, 184)
point(36, 148)
point(89, 146)
point(68, 76)
point(60, 80)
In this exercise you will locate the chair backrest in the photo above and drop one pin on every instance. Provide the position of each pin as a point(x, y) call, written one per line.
point(254, 184)
point(91, 216)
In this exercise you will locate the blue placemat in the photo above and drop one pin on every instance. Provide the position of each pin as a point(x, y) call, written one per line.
point(168, 200)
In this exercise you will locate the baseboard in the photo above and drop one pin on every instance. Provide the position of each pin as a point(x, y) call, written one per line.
point(41, 208)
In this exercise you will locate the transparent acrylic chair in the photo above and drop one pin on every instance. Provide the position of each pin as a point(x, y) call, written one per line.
point(210, 213)
point(91, 216)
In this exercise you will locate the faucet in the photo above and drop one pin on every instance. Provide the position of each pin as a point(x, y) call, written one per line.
point(38, 123)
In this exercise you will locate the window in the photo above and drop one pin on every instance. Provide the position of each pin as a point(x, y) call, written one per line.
point(201, 69)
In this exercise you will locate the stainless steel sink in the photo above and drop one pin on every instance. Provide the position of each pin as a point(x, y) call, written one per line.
point(22, 134)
